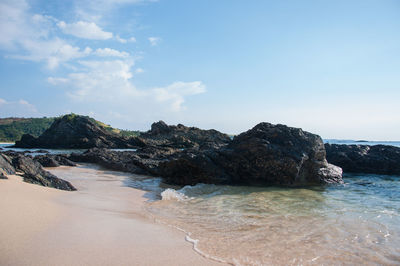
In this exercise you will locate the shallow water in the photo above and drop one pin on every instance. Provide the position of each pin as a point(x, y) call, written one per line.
point(34, 152)
point(355, 223)
point(362, 142)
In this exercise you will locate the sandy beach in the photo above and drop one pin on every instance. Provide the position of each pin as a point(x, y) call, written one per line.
point(103, 223)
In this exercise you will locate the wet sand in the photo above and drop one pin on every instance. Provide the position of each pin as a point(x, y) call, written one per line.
point(103, 223)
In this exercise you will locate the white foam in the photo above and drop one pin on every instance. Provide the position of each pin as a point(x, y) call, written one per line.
point(172, 194)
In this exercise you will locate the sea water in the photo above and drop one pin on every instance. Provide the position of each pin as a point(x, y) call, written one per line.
point(354, 223)
point(36, 151)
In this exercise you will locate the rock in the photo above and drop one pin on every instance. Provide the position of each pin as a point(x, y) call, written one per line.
point(6, 167)
point(35, 174)
point(183, 137)
point(376, 159)
point(265, 155)
point(2, 176)
point(77, 132)
point(53, 160)
point(126, 161)
point(42, 151)
point(46, 161)
point(27, 141)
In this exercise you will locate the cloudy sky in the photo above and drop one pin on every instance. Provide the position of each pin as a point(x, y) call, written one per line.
point(329, 67)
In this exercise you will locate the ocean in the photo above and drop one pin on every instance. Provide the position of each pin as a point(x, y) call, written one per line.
point(355, 223)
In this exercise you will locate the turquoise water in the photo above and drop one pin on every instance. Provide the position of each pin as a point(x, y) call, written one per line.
point(352, 224)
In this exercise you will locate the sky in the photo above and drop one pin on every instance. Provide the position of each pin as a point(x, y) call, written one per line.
point(329, 67)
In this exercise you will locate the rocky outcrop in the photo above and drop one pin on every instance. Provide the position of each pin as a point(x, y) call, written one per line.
point(377, 159)
point(14, 163)
point(180, 136)
point(77, 132)
point(265, 155)
point(6, 166)
point(52, 160)
point(35, 174)
point(144, 161)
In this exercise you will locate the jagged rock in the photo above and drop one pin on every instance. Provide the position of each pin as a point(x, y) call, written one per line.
point(267, 155)
point(35, 174)
point(6, 167)
point(42, 151)
point(183, 137)
point(77, 132)
point(376, 159)
point(144, 163)
point(49, 160)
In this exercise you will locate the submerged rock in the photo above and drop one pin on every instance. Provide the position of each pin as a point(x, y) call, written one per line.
point(265, 155)
point(77, 132)
point(376, 159)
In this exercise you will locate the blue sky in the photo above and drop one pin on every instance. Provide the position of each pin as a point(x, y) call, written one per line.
point(329, 67)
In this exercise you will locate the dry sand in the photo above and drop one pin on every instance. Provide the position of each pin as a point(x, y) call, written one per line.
point(103, 223)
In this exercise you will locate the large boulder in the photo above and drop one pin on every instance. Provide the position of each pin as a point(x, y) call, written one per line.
point(77, 132)
point(376, 159)
point(180, 136)
point(265, 155)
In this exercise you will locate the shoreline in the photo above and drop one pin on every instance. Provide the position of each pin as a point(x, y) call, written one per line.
point(102, 223)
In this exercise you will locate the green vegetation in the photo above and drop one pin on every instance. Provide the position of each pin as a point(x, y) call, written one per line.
point(12, 128)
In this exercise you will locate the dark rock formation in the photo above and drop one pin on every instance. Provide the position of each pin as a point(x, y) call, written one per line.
point(377, 159)
point(267, 154)
point(35, 174)
point(2, 176)
point(183, 137)
point(144, 161)
point(6, 166)
point(52, 160)
point(14, 162)
point(77, 132)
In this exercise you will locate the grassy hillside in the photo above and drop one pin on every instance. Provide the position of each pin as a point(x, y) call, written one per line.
point(12, 128)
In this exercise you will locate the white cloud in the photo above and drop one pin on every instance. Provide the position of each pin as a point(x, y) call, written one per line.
point(85, 30)
point(122, 40)
point(174, 94)
point(53, 52)
point(99, 81)
point(111, 82)
point(139, 70)
point(154, 40)
point(108, 52)
point(17, 108)
point(94, 10)
point(27, 37)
